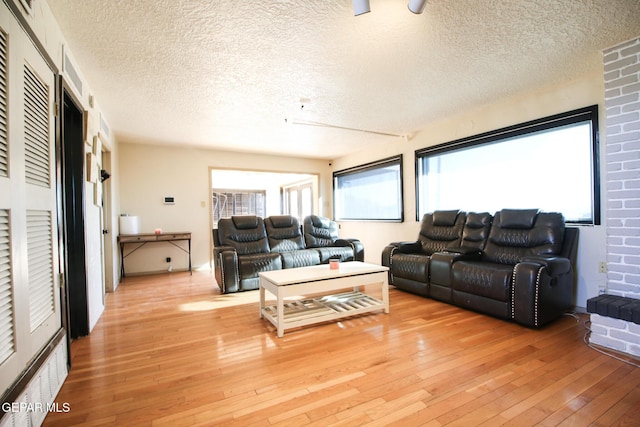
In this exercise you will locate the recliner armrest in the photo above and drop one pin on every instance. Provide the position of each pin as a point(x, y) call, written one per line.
point(344, 242)
point(355, 244)
point(441, 263)
point(542, 289)
point(555, 265)
point(217, 250)
point(226, 269)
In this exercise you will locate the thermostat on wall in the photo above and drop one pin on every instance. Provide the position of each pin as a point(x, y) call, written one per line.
point(169, 200)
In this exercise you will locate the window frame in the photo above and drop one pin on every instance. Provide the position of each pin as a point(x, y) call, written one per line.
point(378, 164)
point(285, 199)
point(557, 121)
point(217, 213)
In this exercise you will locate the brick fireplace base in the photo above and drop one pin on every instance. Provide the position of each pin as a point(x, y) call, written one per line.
point(615, 323)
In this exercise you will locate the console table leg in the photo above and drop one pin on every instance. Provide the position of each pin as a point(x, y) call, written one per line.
point(122, 260)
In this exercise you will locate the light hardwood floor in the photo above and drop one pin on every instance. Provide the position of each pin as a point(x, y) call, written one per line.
point(170, 350)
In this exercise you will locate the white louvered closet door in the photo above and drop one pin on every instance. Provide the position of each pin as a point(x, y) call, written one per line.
point(29, 291)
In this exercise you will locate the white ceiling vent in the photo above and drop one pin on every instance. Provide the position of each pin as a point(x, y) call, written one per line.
point(72, 74)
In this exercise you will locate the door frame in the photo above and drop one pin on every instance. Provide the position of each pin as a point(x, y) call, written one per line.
point(76, 310)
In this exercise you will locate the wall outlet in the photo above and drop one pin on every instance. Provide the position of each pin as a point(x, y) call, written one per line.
point(168, 259)
point(602, 267)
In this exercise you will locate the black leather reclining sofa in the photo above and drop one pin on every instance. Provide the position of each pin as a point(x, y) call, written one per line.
point(247, 244)
point(517, 264)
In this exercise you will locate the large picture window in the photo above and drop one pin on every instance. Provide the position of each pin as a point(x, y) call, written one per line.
point(550, 164)
point(370, 192)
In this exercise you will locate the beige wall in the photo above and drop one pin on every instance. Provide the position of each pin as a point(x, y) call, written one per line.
point(573, 95)
point(148, 173)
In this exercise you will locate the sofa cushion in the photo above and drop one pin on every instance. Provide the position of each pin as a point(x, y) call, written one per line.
point(478, 220)
point(250, 265)
point(510, 245)
point(411, 266)
point(476, 230)
point(281, 221)
point(445, 218)
point(343, 253)
point(518, 218)
point(319, 231)
point(245, 235)
point(319, 221)
point(435, 238)
point(300, 258)
point(284, 233)
point(483, 278)
point(245, 222)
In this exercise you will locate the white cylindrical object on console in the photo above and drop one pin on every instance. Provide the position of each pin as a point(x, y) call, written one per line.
point(129, 225)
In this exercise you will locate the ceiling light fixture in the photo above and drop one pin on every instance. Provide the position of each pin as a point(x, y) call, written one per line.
point(417, 6)
point(360, 7)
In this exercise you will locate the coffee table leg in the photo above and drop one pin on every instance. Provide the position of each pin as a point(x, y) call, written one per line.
point(261, 300)
point(280, 308)
point(385, 295)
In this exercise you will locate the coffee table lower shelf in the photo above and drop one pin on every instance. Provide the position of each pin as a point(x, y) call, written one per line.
point(323, 309)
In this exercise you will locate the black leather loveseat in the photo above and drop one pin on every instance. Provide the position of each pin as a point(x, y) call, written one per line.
point(516, 264)
point(247, 244)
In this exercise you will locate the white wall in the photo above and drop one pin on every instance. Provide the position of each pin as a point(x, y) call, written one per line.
point(577, 94)
point(148, 173)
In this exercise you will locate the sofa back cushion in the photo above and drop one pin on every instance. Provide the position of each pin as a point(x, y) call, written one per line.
point(517, 233)
point(441, 230)
point(476, 230)
point(284, 233)
point(245, 233)
point(319, 231)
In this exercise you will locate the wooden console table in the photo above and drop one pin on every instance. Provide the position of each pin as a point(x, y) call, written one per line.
point(144, 238)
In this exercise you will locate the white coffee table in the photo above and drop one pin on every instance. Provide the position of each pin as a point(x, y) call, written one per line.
point(320, 279)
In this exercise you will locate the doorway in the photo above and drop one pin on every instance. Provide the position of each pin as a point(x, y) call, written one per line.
point(73, 234)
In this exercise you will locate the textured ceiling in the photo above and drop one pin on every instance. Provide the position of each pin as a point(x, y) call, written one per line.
point(227, 73)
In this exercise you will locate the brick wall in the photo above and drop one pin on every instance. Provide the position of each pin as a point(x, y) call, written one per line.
point(622, 181)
